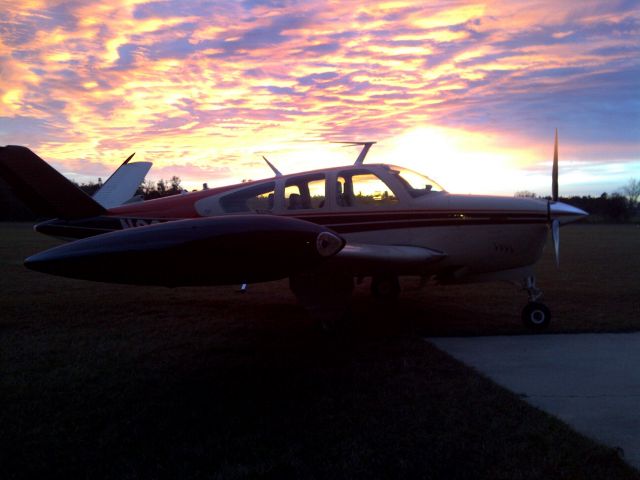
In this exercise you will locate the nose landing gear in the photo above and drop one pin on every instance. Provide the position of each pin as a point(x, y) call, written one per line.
point(535, 315)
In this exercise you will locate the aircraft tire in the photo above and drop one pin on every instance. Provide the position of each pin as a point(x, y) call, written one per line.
point(536, 316)
point(385, 287)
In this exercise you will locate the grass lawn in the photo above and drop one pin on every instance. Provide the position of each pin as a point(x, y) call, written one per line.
point(104, 381)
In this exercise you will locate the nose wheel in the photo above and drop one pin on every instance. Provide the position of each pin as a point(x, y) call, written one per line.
point(535, 315)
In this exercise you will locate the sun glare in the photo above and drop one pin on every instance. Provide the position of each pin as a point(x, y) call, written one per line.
point(461, 161)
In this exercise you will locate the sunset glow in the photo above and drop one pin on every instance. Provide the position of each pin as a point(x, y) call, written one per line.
point(468, 93)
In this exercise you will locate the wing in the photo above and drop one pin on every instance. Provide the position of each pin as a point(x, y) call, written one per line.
point(368, 259)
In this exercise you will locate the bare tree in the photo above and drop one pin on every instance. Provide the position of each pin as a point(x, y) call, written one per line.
point(632, 191)
point(148, 186)
point(525, 194)
point(175, 184)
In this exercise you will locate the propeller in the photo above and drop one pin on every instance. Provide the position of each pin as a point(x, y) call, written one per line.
point(554, 172)
point(555, 223)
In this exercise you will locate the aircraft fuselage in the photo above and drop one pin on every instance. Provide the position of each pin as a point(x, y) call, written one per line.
point(368, 204)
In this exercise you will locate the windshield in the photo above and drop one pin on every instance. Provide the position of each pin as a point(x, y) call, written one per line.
point(416, 183)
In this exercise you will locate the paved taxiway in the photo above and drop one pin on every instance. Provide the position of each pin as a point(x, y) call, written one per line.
point(590, 381)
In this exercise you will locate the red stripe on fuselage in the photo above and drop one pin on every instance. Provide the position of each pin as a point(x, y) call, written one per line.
point(175, 206)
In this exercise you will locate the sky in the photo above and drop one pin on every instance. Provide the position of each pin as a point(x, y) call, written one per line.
point(467, 93)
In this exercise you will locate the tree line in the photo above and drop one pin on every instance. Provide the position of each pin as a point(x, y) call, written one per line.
point(617, 207)
point(148, 190)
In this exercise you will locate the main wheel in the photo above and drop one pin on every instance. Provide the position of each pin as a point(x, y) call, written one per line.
point(385, 287)
point(536, 316)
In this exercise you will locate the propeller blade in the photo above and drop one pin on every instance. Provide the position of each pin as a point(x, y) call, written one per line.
point(554, 173)
point(555, 235)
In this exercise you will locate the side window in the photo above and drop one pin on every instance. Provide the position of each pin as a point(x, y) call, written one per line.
point(253, 199)
point(362, 189)
point(303, 193)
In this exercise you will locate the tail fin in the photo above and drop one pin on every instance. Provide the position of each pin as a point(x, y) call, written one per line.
point(122, 184)
point(45, 191)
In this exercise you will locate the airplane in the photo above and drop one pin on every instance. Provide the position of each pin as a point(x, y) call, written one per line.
point(320, 228)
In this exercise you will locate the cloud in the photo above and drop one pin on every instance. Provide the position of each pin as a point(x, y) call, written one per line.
point(22, 130)
point(317, 78)
point(182, 78)
point(322, 48)
point(126, 56)
point(260, 36)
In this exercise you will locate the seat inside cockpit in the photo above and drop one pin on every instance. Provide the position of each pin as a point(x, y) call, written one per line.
point(305, 192)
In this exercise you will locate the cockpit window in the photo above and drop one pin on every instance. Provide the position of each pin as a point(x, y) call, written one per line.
point(301, 193)
point(253, 199)
point(416, 183)
point(362, 188)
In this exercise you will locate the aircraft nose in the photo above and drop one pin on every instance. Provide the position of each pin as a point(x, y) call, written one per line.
point(41, 262)
point(565, 213)
point(65, 260)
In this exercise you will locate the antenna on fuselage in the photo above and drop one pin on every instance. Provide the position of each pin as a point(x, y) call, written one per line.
point(275, 170)
point(363, 153)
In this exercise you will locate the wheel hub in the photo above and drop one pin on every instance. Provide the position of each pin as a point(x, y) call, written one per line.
point(537, 316)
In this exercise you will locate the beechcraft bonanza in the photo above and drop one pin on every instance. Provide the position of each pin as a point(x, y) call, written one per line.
point(320, 228)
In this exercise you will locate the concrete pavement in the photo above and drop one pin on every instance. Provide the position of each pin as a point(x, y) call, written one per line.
point(590, 381)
